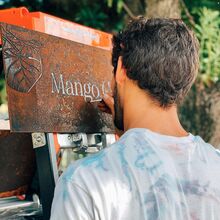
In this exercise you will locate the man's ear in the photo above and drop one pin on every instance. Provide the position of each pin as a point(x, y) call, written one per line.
point(120, 72)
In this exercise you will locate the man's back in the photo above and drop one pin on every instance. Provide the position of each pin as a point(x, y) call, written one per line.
point(144, 175)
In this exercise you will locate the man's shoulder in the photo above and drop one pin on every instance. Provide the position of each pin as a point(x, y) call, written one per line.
point(209, 151)
point(206, 145)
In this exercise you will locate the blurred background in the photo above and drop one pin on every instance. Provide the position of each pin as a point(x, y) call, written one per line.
point(201, 110)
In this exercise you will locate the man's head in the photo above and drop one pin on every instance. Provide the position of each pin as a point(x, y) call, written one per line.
point(159, 57)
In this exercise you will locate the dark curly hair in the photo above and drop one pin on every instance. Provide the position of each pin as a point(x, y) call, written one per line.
point(161, 55)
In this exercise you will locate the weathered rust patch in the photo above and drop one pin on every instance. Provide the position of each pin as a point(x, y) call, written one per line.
point(17, 192)
point(17, 162)
point(50, 82)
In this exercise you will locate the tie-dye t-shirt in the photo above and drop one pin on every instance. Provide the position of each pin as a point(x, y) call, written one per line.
point(143, 176)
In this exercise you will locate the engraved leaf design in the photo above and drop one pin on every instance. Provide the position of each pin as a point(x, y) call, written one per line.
point(23, 67)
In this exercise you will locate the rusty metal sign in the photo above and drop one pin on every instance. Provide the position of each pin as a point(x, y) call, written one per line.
point(53, 84)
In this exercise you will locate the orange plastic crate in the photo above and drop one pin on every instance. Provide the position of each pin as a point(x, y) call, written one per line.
point(52, 25)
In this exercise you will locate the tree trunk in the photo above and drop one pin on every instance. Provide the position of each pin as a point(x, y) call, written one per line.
point(215, 112)
point(163, 8)
point(136, 7)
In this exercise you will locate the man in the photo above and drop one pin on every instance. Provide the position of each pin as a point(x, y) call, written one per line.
point(156, 170)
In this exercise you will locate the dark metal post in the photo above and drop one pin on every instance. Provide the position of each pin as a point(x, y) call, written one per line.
point(47, 174)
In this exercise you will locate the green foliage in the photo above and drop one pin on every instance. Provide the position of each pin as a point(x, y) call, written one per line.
point(119, 4)
point(196, 4)
point(92, 17)
point(208, 33)
point(106, 16)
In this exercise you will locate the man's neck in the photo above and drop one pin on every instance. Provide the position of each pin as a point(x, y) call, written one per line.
point(145, 115)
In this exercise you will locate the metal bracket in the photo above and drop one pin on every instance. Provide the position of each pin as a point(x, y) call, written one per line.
point(38, 139)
